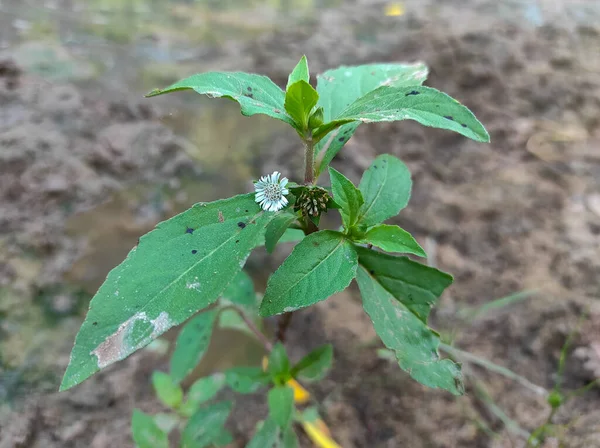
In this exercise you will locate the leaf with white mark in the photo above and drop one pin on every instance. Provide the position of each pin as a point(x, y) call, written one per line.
point(176, 270)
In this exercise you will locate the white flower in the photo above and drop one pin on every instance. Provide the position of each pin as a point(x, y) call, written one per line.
point(271, 191)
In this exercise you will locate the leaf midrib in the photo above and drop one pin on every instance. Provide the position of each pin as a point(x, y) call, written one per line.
point(293, 285)
point(380, 189)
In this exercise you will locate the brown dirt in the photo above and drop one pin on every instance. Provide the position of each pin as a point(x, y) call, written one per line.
point(520, 213)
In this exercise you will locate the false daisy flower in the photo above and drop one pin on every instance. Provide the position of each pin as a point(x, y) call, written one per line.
point(271, 191)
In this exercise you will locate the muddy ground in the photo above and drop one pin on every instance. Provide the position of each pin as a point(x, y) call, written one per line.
point(522, 213)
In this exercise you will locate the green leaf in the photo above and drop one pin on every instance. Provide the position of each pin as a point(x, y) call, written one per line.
point(321, 265)
point(428, 106)
point(168, 391)
point(340, 87)
point(300, 99)
point(279, 363)
point(276, 229)
point(289, 438)
point(176, 270)
point(386, 187)
point(329, 145)
point(192, 343)
point(316, 118)
point(246, 380)
point(281, 405)
point(292, 236)
point(300, 73)
point(206, 426)
point(267, 435)
point(315, 365)
point(222, 439)
point(393, 239)
point(256, 94)
point(145, 432)
point(240, 292)
point(347, 196)
point(201, 391)
point(415, 344)
point(418, 287)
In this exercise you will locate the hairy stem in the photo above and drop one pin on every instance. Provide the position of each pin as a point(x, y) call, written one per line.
point(309, 162)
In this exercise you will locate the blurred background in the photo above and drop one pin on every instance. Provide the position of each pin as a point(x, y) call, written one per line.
point(87, 166)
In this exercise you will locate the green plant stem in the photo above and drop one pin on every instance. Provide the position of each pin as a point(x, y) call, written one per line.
point(309, 179)
point(309, 162)
point(473, 359)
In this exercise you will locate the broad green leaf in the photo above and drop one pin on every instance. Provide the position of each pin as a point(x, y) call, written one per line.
point(340, 87)
point(201, 391)
point(428, 106)
point(192, 343)
point(289, 438)
point(206, 425)
point(416, 286)
point(169, 392)
point(276, 229)
point(300, 73)
point(222, 439)
point(386, 187)
point(321, 265)
point(315, 365)
point(256, 94)
point(279, 363)
point(300, 99)
point(176, 270)
point(146, 433)
point(240, 292)
point(246, 380)
point(393, 239)
point(415, 344)
point(267, 434)
point(347, 196)
point(281, 405)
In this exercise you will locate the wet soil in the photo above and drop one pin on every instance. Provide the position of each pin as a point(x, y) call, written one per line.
point(522, 213)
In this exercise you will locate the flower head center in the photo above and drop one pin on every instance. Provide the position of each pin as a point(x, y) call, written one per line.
point(273, 192)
